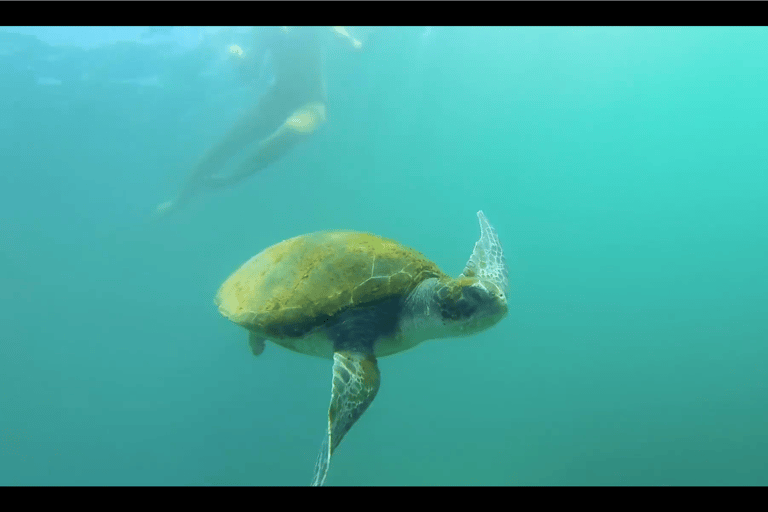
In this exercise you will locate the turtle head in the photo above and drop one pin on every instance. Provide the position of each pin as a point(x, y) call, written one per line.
point(469, 305)
point(477, 299)
point(442, 307)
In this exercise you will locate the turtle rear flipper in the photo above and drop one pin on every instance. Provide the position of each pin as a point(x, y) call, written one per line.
point(256, 343)
point(355, 384)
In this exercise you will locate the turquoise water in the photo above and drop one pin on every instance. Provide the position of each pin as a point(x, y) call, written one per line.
point(624, 169)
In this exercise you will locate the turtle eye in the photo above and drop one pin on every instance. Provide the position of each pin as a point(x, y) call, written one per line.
point(474, 295)
point(467, 305)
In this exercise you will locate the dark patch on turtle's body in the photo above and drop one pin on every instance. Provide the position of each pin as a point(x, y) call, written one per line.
point(354, 328)
point(297, 329)
point(357, 329)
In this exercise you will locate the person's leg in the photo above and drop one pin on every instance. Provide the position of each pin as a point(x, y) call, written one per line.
point(301, 123)
point(253, 125)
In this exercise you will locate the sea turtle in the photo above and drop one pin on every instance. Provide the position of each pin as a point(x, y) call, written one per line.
point(353, 297)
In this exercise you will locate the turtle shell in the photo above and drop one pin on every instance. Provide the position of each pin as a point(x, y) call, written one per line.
point(296, 286)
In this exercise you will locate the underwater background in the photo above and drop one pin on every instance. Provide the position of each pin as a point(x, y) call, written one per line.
point(623, 168)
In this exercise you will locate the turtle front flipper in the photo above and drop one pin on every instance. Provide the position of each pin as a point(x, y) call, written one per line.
point(487, 260)
point(355, 384)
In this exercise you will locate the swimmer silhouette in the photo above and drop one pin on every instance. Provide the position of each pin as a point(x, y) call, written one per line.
point(292, 108)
